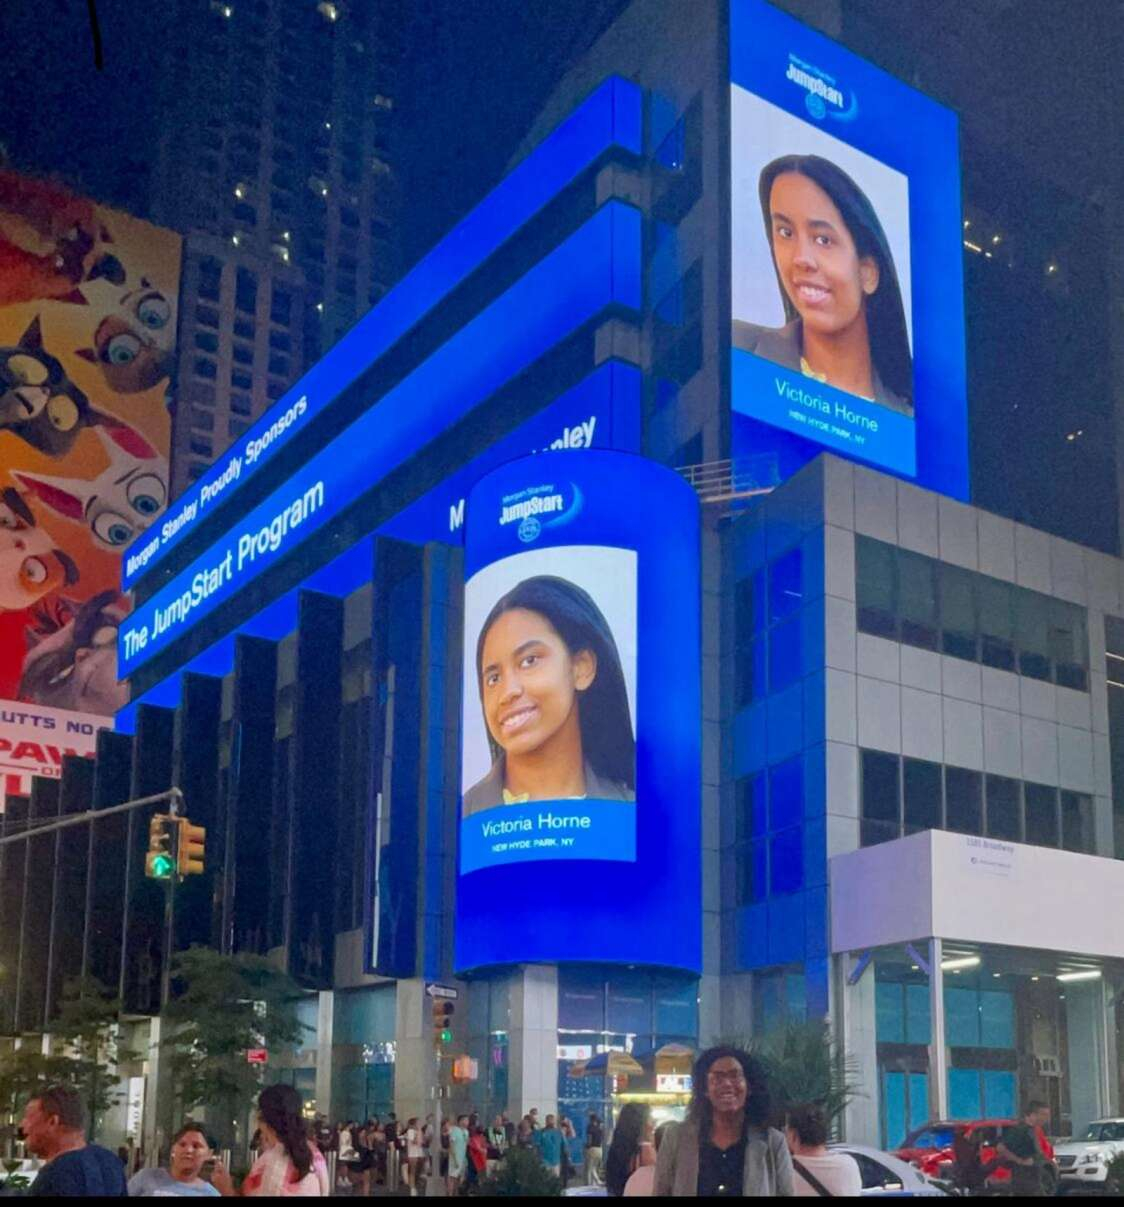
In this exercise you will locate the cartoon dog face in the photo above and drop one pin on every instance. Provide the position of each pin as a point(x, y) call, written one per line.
point(122, 500)
point(133, 347)
point(30, 565)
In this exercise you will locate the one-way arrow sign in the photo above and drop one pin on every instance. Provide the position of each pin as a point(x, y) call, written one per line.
point(432, 989)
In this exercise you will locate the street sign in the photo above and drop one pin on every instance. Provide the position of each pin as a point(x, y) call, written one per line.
point(257, 1056)
point(446, 992)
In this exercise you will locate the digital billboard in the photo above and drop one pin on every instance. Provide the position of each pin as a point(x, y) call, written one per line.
point(580, 714)
point(847, 325)
point(88, 301)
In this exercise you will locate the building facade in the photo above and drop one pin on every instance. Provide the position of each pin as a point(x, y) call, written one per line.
point(906, 815)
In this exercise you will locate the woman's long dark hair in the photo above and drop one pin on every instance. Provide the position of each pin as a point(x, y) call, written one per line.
point(889, 336)
point(625, 1146)
point(280, 1108)
point(757, 1103)
point(608, 744)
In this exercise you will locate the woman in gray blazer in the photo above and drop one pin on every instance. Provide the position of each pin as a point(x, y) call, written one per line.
point(726, 1147)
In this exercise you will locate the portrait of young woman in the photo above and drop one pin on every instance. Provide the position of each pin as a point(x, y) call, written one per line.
point(555, 704)
point(845, 318)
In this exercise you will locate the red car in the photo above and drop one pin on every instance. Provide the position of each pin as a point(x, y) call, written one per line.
point(931, 1148)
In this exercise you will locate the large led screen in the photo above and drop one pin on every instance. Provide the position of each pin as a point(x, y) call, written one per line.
point(846, 286)
point(549, 737)
point(580, 714)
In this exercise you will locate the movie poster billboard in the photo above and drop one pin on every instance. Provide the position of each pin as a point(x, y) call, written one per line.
point(88, 300)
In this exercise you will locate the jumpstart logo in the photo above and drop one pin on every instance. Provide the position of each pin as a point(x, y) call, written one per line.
point(537, 507)
point(821, 91)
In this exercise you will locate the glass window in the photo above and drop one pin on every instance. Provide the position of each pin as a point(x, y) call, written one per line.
point(876, 586)
point(786, 794)
point(958, 612)
point(1041, 814)
point(242, 354)
point(881, 803)
point(963, 804)
point(752, 869)
point(750, 676)
point(205, 316)
point(241, 381)
point(244, 329)
point(279, 365)
point(922, 784)
point(240, 404)
point(785, 654)
point(1077, 823)
point(889, 1012)
point(236, 427)
point(207, 341)
point(204, 367)
point(246, 291)
point(204, 420)
point(1003, 808)
point(917, 599)
point(996, 628)
point(786, 591)
point(581, 1000)
point(1069, 645)
point(200, 447)
point(1032, 632)
point(743, 604)
point(786, 861)
point(210, 280)
point(749, 797)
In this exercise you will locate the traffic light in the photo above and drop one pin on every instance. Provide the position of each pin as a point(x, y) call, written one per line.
point(443, 1022)
point(163, 845)
point(190, 850)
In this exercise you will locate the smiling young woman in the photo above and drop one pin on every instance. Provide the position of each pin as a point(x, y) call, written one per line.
point(845, 317)
point(554, 700)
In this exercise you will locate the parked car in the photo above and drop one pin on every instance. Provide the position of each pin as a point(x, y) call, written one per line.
point(885, 1174)
point(931, 1148)
point(1083, 1161)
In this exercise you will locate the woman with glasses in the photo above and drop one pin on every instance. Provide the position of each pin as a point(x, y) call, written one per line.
point(726, 1147)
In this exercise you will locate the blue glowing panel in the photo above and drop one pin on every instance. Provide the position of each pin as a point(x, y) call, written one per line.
point(846, 260)
point(582, 659)
point(610, 116)
point(597, 266)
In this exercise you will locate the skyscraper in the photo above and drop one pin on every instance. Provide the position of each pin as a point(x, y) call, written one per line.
point(277, 170)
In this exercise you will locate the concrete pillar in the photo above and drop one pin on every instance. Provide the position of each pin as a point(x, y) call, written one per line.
point(414, 1064)
point(325, 1019)
point(736, 1005)
point(158, 1125)
point(855, 1027)
point(533, 1041)
point(712, 1012)
point(1089, 1018)
point(938, 1047)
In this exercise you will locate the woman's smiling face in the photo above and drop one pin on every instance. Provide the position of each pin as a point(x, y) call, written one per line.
point(819, 266)
point(529, 680)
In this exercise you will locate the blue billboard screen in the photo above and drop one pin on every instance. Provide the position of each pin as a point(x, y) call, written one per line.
point(847, 314)
point(579, 779)
point(543, 307)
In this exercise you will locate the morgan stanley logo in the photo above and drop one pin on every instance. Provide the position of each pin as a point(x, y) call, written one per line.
point(823, 97)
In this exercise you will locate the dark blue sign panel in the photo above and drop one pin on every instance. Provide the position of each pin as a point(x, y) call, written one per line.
point(610, 116)
point(595, 267)
point(580, 740)
point(846, 259)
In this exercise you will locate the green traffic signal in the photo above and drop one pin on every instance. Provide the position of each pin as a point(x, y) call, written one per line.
point(162, 867)
point(446, 1036)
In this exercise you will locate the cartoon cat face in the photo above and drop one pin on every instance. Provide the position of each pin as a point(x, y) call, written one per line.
point(133, 346)
point(72, 662)
point(30, 565)
point(122, 500)
point(38, 401)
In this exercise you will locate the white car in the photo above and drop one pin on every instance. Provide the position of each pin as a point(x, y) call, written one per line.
point(1084, 1161)
point(884, 1174)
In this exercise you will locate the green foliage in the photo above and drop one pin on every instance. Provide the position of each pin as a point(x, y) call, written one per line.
point(86, 1053)
point(222, 1006)
point(520, 1174)
point(804, 1065)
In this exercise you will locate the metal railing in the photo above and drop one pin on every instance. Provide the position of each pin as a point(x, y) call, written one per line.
point(734, 480)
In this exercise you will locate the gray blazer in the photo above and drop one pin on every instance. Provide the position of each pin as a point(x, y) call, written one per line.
point(784, 346)
point(768, 1166)
point(488, 793)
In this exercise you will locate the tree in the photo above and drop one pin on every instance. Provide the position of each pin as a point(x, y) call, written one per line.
point(86, 1053)
point(521, 1174)
point(223, 1006)
point(804, 1065)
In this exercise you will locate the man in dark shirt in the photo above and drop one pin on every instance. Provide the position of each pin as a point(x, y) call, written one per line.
point(1021, 1151)
point(54, 1128)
